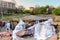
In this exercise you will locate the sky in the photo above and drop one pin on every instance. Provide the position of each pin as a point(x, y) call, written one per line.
point(29, 3)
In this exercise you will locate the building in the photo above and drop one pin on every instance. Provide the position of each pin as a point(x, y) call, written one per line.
point(5, 5)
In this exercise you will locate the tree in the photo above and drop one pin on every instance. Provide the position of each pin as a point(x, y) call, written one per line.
point(56, 11)
point(26, 11)
point(43, 10)
point(47, 6)
point(39, 10)
point(35, 11)
point(21, 9)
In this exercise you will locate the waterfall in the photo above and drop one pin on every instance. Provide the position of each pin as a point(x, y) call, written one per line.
point(20, 26)
point(44, 30)
point(37, 30)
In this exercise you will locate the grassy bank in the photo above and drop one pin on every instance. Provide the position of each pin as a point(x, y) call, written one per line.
point(9, 16)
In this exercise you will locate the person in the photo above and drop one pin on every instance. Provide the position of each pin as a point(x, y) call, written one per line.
point(43, 30)
point(7, 25)
point(12, 26)
point(20, 26)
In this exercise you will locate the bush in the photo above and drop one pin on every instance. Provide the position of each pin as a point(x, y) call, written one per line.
point(56, 11)
point(57, 19)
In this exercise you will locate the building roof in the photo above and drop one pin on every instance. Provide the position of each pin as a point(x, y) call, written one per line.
point(11, 1)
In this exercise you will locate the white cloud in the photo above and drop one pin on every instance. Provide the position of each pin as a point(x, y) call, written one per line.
point(24, 3)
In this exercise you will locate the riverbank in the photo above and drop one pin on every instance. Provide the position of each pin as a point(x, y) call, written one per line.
point(9, 17)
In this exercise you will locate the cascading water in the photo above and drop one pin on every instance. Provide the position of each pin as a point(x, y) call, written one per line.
point(43, 30)
point(19, 26)
point(47, 30)
point(40, 31)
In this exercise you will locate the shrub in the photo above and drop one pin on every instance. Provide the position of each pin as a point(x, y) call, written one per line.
point(57, 19)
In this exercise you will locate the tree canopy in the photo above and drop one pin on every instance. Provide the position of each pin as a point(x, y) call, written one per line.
point(56, 11)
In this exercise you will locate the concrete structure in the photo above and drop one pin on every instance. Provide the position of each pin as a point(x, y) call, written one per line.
point(4, 5)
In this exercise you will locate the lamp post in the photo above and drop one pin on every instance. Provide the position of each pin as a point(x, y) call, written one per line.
point(2, 12)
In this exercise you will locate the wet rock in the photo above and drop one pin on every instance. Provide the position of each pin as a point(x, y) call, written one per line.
point(7, 38)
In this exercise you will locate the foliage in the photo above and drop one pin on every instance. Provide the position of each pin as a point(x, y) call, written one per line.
point(39, 10)
point(26, 11)
point(36, 10)
point(56, 11)
point(21, 9)
point(57, 19)
point(47, 6)
point(9, 16)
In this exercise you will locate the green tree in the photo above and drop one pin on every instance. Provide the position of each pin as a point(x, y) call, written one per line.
point(27, 11)
point(56, 11)
point(35, 11)
point(47, 6)
point(21, 9)
point(43, 10)
point(39, 10)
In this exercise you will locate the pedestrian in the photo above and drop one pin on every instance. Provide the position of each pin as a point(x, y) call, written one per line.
point(7, 25)
point(12, 26)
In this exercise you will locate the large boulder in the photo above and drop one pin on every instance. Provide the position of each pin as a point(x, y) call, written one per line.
point(6, 38)
point(6, 34)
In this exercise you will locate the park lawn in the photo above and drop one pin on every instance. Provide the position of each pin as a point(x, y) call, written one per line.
point(9, 16)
